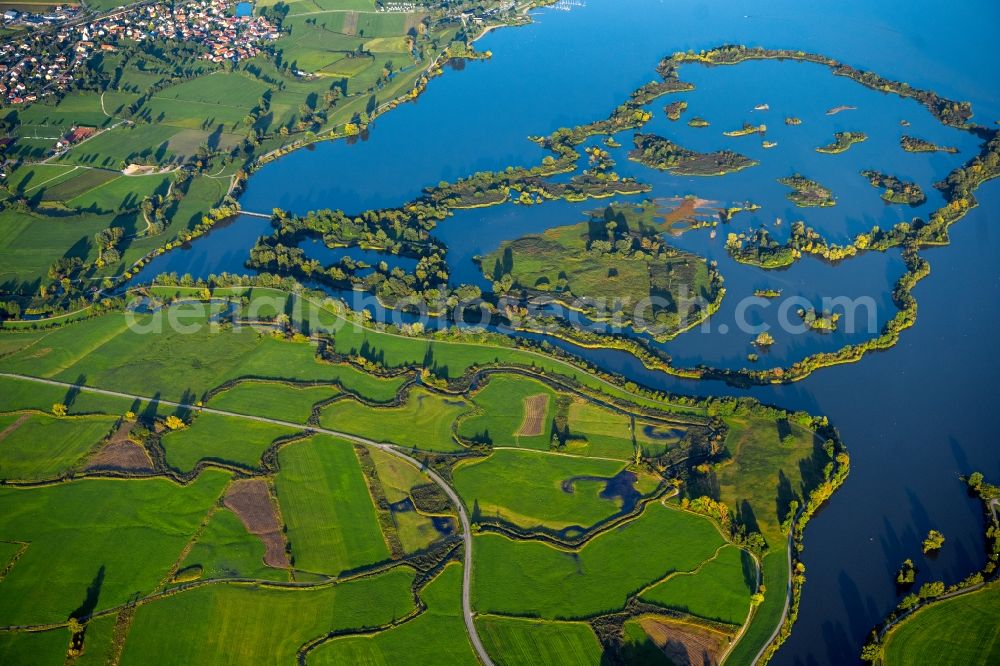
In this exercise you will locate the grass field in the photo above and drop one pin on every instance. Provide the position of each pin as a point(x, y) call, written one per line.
point(416, 531)
point(47, 647)
point(224, 438)
point(522, 642)
point(243, 624)
point(274, 400)
point(423, 422)
point(598, 432)
point(526, 488)
point(30, 243)
point(530, 578)
point(765, 468)
point(18, 394)
point(119, 146)
point(41, 446)
point(438, 636)
point(95, 542)
point(956, 631)
point(325, 502)
point(768, 614)
point(98, 642)
point(153, 357)
point(719, 591)
point(226, 550)
point(121, 193)
point(502, 400)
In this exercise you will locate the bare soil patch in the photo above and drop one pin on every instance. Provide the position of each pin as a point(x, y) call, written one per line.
point(535, 409)
point(121, 453)
point(6, 432)
point(251, 501)
point(412, 21)
point(350, 23)
point(684, 642)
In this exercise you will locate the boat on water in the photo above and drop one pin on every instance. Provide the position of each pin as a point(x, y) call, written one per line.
point(762, 107)
point(769, 144)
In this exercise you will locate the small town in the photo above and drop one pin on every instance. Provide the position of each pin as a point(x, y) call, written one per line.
point(42, 62)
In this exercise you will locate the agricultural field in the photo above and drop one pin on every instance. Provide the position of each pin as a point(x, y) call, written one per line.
point(517, 412)
point(286, 402)
point(314, 494)
point(398, 477)
point(331, 520)
point(720, 590)
point(96, 542)
point(221, 439)
point(37, 446)
point(422, 422)
point(435, 636)
point(531, 488)
point(954, 631)
point(250, 623)
point(514, 641)
point(533, 579)
point(226, 550)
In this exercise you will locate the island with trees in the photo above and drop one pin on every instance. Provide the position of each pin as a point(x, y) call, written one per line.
point(842, 141)
point(675, 109)
point(912, 144)
point(895, 190)
point(747, 129)
point(659, 153)
point(807, 193)
point(607, 265)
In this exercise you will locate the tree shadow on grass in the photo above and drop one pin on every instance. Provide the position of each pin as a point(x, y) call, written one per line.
point(74, 391)
point(89, 604)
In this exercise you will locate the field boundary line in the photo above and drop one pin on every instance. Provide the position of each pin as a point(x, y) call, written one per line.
point(470, 625)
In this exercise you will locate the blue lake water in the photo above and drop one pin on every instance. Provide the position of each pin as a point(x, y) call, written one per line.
point(915, 417)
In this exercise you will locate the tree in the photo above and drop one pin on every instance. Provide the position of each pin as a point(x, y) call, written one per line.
point(907, 573)
point(934, 541)
point(175, 423)
point(59, 409)
point(764, 339)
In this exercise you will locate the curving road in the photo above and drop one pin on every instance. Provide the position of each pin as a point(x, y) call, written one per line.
point(470, 624)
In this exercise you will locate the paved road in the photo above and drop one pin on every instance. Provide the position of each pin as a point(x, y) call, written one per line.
point(470, 625)
point(788, 590)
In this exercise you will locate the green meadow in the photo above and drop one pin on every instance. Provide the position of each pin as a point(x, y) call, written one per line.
point(534, 579)
point(226, 550)
point(719, 591)
point(437, 636)
point(96, 542)
point(325, 503)
point(512, 641)
point(221, 438)
point(955, 631)
point(397, 478)
point(41, 446)
point(527, 488)
point(273, 400)
point(423, 422)
point(502, 400)
point(47, 647)
point(232, 623)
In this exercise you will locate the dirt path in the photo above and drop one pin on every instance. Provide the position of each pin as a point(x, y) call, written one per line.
point(6, 432)
point(388, 448)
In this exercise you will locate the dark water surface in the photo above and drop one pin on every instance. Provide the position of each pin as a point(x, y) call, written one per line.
point(915, 417)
